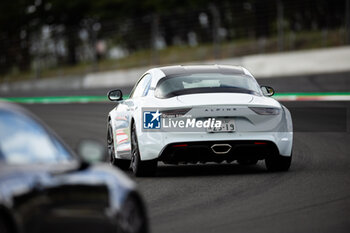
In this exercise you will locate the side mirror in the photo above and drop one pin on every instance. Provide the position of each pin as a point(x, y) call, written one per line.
point(92, 151)
point(115, 95)
point(267, 91)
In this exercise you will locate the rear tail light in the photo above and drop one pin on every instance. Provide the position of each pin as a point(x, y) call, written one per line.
point(180, 145)
point(266, 111)
point(176, 112)
point(260, 143)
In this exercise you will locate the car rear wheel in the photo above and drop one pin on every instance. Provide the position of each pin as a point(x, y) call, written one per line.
point(139, 167)
point(278, 162)
point(120, 163)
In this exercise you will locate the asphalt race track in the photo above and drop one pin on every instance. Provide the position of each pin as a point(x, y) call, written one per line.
point(314, 196)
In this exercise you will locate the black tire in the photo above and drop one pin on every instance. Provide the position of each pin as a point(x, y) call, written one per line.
point(120, 163)
point(247, 162)
point(132, 217)
point(278, 163)
point(139, 167)
point(123, 164)
point(3, 227)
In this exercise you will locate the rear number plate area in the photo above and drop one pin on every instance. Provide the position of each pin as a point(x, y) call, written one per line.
point(227, 125)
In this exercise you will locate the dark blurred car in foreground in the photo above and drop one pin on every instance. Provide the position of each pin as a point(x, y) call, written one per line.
point(45, 187)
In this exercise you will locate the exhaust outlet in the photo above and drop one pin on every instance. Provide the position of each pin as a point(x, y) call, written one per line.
point(221, 148)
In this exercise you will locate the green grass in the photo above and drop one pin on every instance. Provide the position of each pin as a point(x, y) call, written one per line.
point(184, 54)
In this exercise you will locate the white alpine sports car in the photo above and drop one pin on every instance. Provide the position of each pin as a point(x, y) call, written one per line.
point(191, 114)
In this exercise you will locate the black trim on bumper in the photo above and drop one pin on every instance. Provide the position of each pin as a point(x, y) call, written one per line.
point(201, 151)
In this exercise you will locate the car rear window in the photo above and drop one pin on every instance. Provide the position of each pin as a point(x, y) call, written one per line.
point(206, 83)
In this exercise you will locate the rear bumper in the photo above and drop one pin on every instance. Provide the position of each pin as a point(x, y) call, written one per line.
point(216, 151)
point(160, 145)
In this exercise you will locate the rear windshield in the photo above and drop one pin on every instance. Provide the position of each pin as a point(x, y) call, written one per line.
point(206, 83)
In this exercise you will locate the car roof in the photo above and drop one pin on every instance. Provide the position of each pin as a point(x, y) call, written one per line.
point(192, 69)
point(159, 73)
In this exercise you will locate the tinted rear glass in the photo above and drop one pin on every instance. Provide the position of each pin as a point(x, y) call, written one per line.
point(206, 83)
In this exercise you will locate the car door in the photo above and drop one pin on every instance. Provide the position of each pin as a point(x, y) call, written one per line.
point(125, 112)
point(79, 203)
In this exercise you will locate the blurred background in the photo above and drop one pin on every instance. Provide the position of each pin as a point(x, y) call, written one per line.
point(55, 38)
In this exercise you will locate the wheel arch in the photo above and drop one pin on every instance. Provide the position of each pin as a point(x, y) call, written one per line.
point(134, 194)
point(136, 197)
point(132, 122)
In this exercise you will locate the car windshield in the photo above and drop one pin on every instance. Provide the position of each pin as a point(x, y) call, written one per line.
point(206, 83)
point(24, 141)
